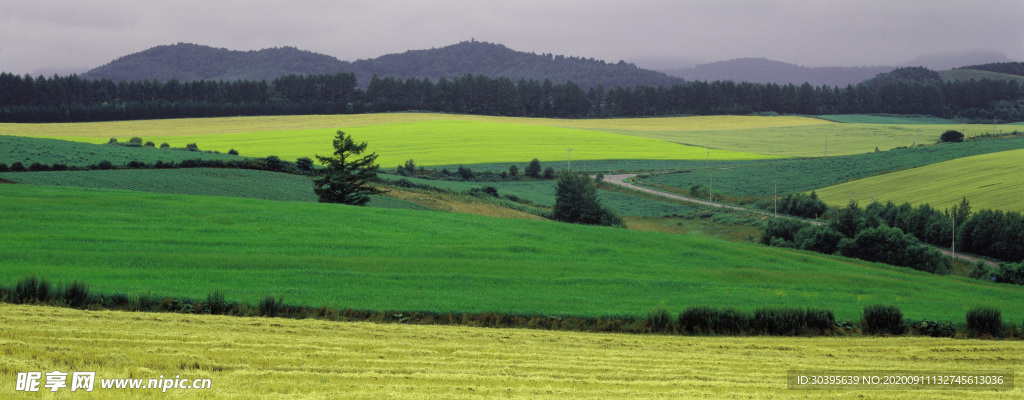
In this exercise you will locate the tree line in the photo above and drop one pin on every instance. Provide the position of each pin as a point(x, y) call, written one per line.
point(74, 99)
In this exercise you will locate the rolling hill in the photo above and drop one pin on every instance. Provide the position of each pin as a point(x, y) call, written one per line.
point(989, 181)
point(184, 61)
point(761, 70)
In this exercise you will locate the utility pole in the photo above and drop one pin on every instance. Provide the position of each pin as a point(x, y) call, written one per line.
point(711, 188)
point(569, 167)
point(826, 147)
point(775, 198)
point(709, 156)
point(994, 132)
point(953, 246)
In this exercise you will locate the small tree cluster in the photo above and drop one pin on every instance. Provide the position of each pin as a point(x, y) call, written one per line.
point(576, 201)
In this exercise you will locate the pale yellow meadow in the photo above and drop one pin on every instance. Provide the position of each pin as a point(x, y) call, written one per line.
point(278, 358)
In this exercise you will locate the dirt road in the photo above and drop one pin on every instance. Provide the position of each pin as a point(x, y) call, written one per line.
point(621, 180)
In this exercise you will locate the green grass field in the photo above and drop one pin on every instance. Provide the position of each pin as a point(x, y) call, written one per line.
point(28, 150)
point(323, 254)
point(804, 175)
point(992, 181)
point(444, 139)
point(432, 142)
point(887, 119)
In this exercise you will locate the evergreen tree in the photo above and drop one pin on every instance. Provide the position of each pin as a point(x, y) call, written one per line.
point(346, 177)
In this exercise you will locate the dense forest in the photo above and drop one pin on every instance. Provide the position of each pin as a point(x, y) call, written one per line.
point(903, 91)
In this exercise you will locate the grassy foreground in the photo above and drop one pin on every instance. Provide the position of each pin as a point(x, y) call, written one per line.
point(341, 256)
point(989, 181)
point(277, 358)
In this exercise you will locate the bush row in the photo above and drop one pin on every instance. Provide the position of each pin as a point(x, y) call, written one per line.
point(700, 320)
point(302, 166)
point(464, 173)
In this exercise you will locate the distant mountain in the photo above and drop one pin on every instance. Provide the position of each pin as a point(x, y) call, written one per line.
point(187, 62)
point(194, 62)
point(762, 70)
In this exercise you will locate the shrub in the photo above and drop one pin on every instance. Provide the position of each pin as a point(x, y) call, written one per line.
point(819, 238)
point(952, 136)
point(136, 164)
point(135, 141)
point(165, 145)
point(18, 167)
point(985, 321)
point(150, 144)
point(513, 171)
point(192, 147)
point(784, 229)
point(38, 167)
point(821, 320)
point(273, 163)
point(233, 152)
point(76, 294)
point(704, 319)
point(4, 168)
point(105, 164)
point(533, 169)
point(549, 173)
point(112, 141)
point(59, 167)
point(779, 321)
point(937, 329)
point(270, 305)
point(32, 289)
point(465, 173)
point(659, 320)
point(883, 319)
point(304, 165)
point(216, 301)
point(700, 319)
point(980, 271)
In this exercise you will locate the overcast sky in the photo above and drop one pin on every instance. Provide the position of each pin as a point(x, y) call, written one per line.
point(64, 36)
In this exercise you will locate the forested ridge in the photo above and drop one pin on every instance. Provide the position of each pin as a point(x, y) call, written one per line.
point(188, 62)
point(72, 98)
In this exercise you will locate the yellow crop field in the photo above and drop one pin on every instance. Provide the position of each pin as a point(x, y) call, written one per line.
point(433, 139)
point(430, 142)
point(277, 358)
point(989, 181)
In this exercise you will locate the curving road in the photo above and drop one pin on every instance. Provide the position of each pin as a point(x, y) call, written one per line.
point(620, 180)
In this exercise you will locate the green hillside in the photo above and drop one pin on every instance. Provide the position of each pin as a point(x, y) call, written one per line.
point(323, 254)
point(989, 181)
point(27, 150)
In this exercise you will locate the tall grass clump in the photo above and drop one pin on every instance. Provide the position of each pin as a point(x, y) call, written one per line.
point(215, 300)
point(707, 320)
point(659, 320)
point(76, 294)
point(32, 289)
point(820, 320)
point(883, 319)
point(270, 305)
point(779, 321)
point(985, 321)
